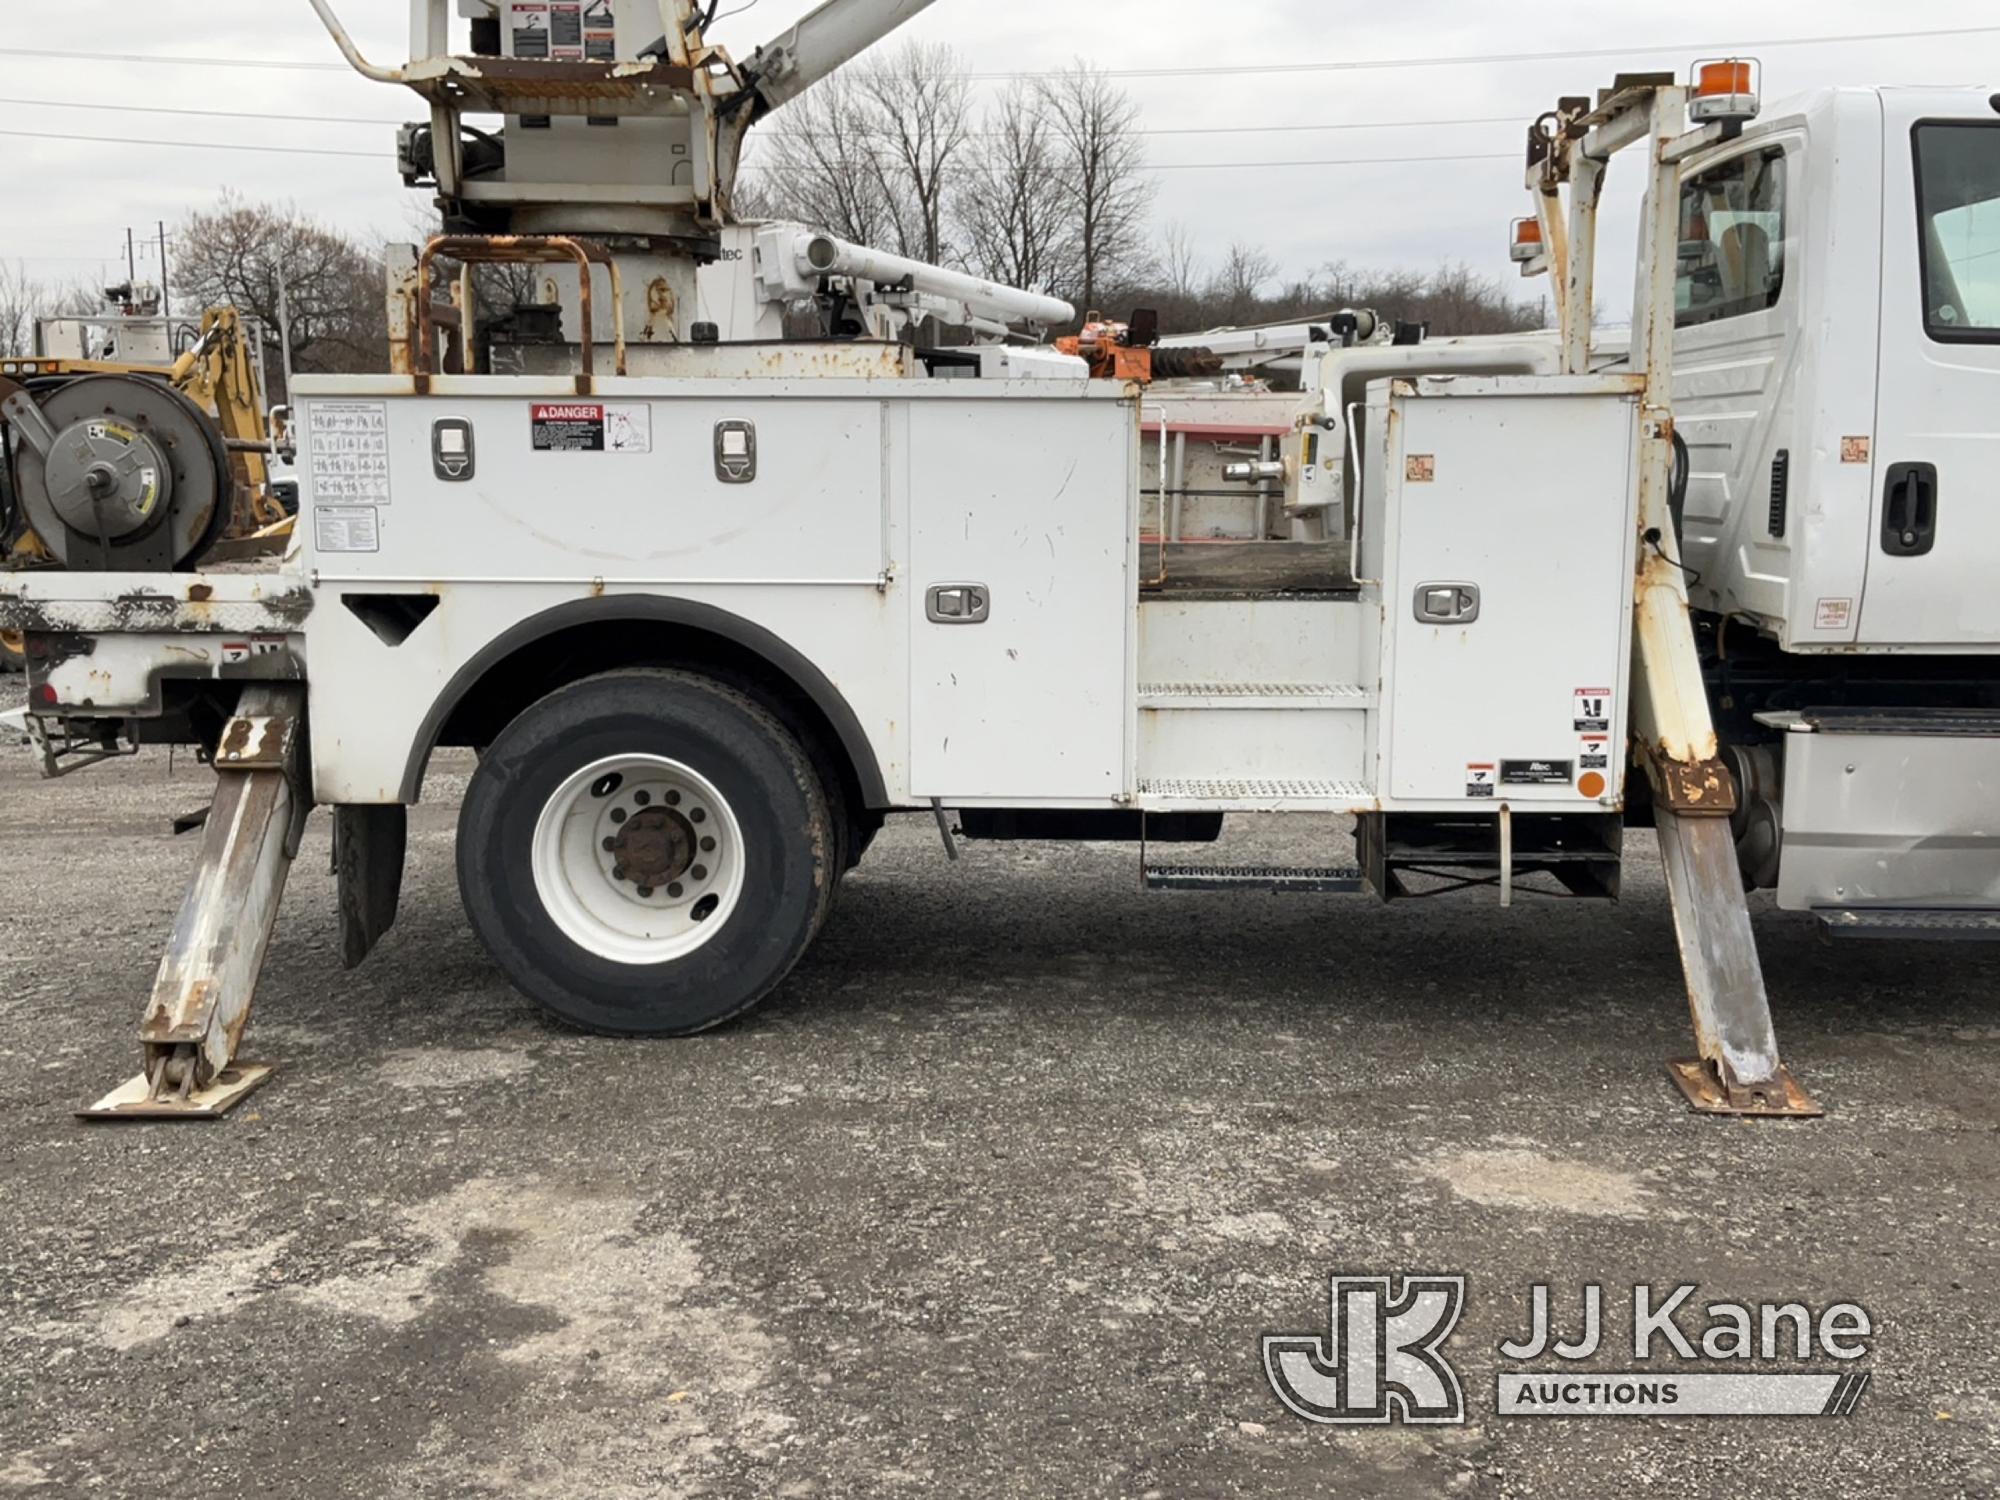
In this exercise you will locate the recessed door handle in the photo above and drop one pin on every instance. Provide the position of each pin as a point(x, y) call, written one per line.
point(958, 603)
point(1447, 603)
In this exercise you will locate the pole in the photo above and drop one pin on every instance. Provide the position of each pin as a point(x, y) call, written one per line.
point(131, 263)
point(166, 307)
point(285, 331)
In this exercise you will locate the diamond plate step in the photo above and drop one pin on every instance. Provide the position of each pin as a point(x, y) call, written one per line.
point(1911, 924)
point(1254, 878)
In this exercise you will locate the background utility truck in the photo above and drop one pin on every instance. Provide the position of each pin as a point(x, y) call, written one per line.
point(711, 607)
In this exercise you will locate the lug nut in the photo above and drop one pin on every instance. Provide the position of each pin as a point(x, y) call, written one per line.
point(697, 816)
point(699, 872)
point(642, 798)
point(708, 846)
point(645, 893)
point(674, 890)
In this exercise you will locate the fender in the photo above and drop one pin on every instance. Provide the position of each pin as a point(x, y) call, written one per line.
point(775, 652)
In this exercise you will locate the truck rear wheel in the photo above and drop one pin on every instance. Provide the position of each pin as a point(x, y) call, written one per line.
point(646, 853)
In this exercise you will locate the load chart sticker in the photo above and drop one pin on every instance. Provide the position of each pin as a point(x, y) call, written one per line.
point(591, 427)
point(349, 446)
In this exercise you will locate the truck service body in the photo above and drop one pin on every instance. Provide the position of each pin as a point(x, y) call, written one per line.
point(707, 628)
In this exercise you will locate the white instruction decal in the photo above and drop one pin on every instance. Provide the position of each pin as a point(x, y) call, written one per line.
point(346, 528)
point(349, 446)
point(628, 429)
point(1593, 753)
point(1593, 710)
point(1833, 614)
point(1479, 779)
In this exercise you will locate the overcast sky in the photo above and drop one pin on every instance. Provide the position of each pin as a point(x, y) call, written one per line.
point(68, 203)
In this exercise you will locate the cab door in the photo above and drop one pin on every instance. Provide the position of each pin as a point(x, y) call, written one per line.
point(1934, 546)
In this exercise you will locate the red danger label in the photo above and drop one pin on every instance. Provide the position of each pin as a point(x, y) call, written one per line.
point(568, 427)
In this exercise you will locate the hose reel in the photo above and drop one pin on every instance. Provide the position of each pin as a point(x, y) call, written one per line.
point(118, 472)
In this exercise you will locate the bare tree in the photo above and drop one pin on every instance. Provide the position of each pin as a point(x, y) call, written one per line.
point(1180, 262)
point(1012, 211)
point(920, 127)
point(21, 303)
point(236, 253)
point(1102, 164)
point(24, 300)
point(1237, 287)
point(818, 164)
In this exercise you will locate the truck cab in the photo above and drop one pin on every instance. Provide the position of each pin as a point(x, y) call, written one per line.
point(1837, 390)
point(1837, 355)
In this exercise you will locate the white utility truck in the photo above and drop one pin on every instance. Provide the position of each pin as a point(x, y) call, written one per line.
point(710, 608)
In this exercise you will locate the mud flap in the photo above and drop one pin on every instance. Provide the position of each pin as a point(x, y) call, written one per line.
point(368, 849)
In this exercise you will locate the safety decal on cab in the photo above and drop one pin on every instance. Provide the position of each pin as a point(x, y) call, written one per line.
point(1593, 752)
point(1593, 710)
point(1480, 778)
point(591, 427)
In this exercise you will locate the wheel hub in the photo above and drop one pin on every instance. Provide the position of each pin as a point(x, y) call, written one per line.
point(638, 858)
point(654, 847)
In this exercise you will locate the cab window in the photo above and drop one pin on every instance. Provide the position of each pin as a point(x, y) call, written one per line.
point(1958, 219)
point(1732, 233)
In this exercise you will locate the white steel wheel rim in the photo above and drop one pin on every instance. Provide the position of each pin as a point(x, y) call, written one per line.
point(638, 859)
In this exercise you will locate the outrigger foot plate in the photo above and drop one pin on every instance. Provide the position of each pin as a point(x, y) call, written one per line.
point(1780, 1098)
point(135, 1099)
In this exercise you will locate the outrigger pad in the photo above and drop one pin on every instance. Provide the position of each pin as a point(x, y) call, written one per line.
point(133, 1100)
point(1782, 1099)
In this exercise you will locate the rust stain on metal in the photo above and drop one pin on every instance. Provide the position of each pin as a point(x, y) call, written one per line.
point(200, 593)
point(1699, 788)
point(660, 305)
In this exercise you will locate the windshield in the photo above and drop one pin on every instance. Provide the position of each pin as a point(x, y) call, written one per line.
point(1958, 211)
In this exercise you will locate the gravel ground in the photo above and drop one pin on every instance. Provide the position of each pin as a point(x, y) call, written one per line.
point(993, 1199)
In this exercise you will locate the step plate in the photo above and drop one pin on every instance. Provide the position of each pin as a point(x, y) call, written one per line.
point(1910, 924)
point(1341, 882)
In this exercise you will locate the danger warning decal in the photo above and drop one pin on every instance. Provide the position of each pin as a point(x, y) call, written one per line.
point(591, 427)
point(1593, 710)
point(1479, 780)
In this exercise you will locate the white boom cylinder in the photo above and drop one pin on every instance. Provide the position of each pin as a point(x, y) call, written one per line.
point(821, 42)
point(823, 255)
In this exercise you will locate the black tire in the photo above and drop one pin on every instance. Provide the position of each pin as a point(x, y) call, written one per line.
point(790, 853)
